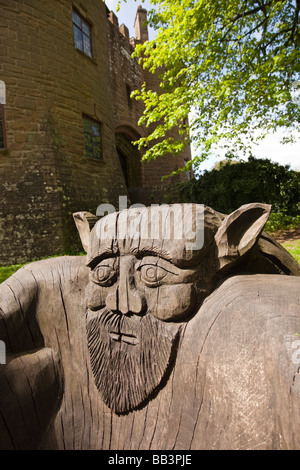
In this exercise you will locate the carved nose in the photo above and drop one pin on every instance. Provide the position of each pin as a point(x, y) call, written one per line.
point(125, 298)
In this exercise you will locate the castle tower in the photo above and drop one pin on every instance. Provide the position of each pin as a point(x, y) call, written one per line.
point(140, 25)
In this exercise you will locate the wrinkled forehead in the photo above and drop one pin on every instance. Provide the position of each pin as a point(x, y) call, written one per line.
point(174, 232)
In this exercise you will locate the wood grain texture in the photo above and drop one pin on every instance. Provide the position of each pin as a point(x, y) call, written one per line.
point(233, 385)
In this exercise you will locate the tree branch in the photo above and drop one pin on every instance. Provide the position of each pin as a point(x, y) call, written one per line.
point(251, 12)
point(295, 33)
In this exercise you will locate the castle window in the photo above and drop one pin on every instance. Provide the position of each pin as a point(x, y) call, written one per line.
point(2, 128)
point(82, 34)
point(92, 138)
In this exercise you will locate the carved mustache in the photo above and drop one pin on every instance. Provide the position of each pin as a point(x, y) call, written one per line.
point(119, 327)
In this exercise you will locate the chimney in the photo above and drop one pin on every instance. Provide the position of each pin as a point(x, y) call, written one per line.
point(140, 27)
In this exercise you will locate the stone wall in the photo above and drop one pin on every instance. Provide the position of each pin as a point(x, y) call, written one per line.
point(45, 174)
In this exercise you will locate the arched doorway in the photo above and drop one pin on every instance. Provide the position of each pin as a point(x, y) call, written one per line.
point(130, 159)
point(124, 166)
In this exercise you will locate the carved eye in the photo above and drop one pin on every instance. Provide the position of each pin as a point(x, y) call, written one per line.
point(105, 273)
point(153, 271)
point(152, 275)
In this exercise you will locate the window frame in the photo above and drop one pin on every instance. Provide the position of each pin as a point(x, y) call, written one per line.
point(99, 124)
point(83, 20)
point(2, 111)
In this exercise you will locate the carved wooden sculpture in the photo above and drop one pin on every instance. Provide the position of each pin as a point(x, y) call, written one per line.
point(149, 343)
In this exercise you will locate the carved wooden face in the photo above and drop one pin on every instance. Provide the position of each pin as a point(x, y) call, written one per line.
point(145, 281)
point(140, 292)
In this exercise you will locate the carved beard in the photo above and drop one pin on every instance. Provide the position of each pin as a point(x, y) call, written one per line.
point(130, 356)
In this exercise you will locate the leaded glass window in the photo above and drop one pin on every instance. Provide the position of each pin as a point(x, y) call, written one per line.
point(82, 34)
point(92, 138)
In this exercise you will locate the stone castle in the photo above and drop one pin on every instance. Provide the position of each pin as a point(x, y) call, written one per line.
point(68, 123)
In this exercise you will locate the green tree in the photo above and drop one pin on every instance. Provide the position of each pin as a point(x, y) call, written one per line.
point(232, 63)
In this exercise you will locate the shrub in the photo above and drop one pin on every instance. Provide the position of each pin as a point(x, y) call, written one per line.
point(257, 180)
point(281, 221)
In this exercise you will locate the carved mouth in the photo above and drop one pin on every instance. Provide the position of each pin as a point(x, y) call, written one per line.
point(122, 337)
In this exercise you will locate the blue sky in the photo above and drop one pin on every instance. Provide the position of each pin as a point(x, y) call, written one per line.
point(270, 147)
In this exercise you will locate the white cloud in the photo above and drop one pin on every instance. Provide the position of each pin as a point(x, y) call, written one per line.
point(285, 154)
point(270, 147)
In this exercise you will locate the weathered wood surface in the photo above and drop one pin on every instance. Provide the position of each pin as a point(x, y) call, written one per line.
point(149, 344)
point(234, 384)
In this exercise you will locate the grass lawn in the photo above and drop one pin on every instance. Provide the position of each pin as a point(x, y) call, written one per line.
point(293, 247)
point(6, 271)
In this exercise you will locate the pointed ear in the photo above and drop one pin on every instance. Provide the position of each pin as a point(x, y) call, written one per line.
point(239, 231)
point(85, 221)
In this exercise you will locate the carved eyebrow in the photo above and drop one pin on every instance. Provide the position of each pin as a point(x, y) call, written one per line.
point(153, 251)
point(139, 252)
point(103, 256)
